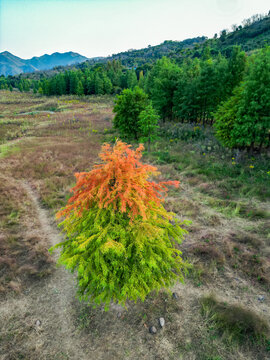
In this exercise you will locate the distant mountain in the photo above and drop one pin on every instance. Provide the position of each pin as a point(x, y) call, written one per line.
point(13, 65)
point(252, 35)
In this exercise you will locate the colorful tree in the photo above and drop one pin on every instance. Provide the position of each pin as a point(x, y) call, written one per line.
point(120, 239)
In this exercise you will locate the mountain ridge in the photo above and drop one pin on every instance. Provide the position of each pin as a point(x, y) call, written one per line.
point(13, 65)
point(252, 35)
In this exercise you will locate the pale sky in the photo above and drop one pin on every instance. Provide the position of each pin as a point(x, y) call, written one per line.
point(104, 27)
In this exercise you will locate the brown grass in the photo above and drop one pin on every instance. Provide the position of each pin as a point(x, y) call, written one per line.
point(239, 323)
point(228, 250)
point(22, 256)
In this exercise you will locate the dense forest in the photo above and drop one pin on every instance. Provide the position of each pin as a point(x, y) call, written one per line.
point(215, 83)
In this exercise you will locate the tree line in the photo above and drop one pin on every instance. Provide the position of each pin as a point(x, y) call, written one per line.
point(231, 93)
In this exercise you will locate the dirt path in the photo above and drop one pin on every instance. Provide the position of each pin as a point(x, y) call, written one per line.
point(47, 306)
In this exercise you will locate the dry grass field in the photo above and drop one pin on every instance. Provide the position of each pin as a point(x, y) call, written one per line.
point(221, 312)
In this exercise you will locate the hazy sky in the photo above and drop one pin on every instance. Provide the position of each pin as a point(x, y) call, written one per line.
point(104, 27)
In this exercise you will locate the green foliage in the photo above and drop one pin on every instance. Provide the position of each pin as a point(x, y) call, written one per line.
point(161, 84)
point(244, 120)
point(201, 81)
point(119, 238)
point(117, 260)
point(148, 123)
point(79, 88)
point(128, 107)
point(225, 118)
point(236, 68)
point(131, 79)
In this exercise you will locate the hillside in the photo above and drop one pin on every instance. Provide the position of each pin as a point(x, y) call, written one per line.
point(13, 65)
point(168, 48)
point(253, 34)
point(250, 36)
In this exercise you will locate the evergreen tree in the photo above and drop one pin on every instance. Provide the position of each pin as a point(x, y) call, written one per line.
point(148, 122)
point(128, 107)
point(252, 126)
point(90, 84)
point(161, 85)
point(236, 68)
point(73, 84)
point(207, 86)
point(107, 85)
point(141, 82)
point(244, 120)
point(99, 84)
point(60, 87)
point(225, 118)
point(119, 238)
point(131, 79)
point(79, 90)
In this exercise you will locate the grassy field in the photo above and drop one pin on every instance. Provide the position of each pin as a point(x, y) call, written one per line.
point(222, 310)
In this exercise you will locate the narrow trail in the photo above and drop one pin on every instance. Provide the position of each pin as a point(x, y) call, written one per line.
point(51, 304)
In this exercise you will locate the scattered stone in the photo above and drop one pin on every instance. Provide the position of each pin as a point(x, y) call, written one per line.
point(261, 298)
point(38, 323)
point(152, 330)
point(175, 296)
point(161, 322)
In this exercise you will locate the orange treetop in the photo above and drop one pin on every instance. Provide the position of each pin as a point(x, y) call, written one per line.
point(121, 182)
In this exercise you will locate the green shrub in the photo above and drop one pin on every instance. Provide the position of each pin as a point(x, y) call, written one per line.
point(128, 107)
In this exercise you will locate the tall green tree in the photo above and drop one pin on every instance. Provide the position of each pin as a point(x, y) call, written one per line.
point(252, 128)
point(161, 85)
point(236, 68)
point(79, 89)
point(148, 122)
point(128, 107)
point(244, 120)
point(99, 84)
point(131, 79)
